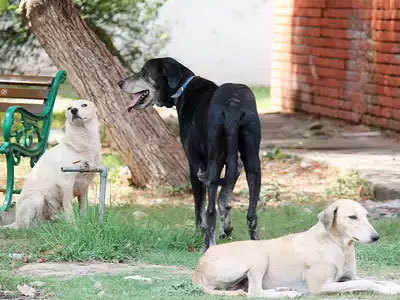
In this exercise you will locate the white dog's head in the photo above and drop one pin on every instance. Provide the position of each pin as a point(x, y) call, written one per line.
point(348, 220)
point(80, 112)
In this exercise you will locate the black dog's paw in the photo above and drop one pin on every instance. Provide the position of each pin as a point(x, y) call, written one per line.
point(227, 233)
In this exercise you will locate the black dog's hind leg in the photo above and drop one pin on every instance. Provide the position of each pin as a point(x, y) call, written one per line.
point(231, 173)
point(249, 148)
point(224, 204)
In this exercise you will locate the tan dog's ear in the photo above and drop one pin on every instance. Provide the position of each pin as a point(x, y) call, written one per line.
point(328, 216)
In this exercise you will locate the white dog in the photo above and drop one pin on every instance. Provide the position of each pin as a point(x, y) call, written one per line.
point(47, 190)
point(320, 260)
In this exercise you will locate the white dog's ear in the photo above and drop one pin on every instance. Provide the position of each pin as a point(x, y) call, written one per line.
point(328, 216)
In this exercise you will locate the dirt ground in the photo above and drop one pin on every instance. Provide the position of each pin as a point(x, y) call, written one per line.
point(283, 178)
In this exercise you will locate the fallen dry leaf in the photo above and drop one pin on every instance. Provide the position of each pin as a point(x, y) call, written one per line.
point(27, 290)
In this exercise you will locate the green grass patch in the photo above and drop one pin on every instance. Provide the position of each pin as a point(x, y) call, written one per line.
point(263, 97)
point(165, 236)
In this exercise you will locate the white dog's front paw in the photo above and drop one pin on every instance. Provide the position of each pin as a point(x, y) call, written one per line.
point(84, 165)
point(389, 288)
point(293, 294)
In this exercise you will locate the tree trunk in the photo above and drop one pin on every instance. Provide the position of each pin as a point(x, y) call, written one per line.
point(152, 153)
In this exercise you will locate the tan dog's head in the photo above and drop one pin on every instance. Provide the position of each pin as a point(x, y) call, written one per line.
point(80, 112)
point(348, 219)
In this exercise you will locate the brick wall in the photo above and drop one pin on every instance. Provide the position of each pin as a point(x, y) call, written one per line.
point(338, 58)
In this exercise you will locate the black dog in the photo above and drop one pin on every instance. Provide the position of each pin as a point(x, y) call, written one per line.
point(216, 123)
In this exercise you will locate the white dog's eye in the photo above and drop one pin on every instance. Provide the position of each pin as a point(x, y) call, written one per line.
point(353, 217)
point(69, 108)
point(84, 105)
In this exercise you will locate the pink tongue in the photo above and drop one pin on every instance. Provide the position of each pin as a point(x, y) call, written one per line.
point(134, 100)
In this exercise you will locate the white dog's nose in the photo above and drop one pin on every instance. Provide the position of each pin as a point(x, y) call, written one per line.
point(375, 237)
point(74, 111)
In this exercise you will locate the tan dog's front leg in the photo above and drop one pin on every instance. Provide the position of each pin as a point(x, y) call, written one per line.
point(68, 195)
point(362, 285)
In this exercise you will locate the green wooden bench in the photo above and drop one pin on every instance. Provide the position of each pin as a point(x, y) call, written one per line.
point(26, 121)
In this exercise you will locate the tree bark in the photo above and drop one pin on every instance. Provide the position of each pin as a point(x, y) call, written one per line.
point(152, 153)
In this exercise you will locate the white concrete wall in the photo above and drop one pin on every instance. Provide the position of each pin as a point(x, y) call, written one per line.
point(222, 40)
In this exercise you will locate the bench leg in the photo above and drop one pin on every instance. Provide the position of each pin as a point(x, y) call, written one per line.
point(10, 183)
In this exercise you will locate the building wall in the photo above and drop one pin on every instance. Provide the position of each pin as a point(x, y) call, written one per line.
point(224, 40)
point(338, 58)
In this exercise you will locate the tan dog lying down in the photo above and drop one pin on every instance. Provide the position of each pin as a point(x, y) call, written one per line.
point(319, 260)
point(47, 190)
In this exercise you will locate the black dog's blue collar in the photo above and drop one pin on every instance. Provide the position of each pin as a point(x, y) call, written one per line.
point(179, 92)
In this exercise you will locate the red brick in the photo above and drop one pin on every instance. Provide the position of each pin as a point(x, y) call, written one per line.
point(334, 23)
point(331, 73)
point(392, 25)
point(296, 21)
point(387, 58)
point(386, 47)
point(329, 43)
point(387, 69)
point(380, 111)
point(386, 80)
point(335, 33)
point(396, 114)
point(388, 101)
point(328, 52)
point(324, 82)
point(382, 90)
point(392, 4)
point(349, 116)
point(386, 36)
point(347, 13)
point(328, 92)
point(297, 30)
point(330, 82)
point(351, 3)
point(330, 102)
point(328, 62)
point(387, 14)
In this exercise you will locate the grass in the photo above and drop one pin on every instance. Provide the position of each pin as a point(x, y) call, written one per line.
point(166, 236)
point(263, 97)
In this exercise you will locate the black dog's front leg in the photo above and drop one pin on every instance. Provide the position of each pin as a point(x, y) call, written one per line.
point(199, 195)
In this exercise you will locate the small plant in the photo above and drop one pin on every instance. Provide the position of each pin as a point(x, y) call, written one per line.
point(350, 186)
point(179, 189)
point(276, 154)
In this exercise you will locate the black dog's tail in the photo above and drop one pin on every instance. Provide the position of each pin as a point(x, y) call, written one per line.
point(232, 117)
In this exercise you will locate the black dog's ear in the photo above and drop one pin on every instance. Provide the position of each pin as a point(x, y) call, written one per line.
point(173, 73)
point(328, 216)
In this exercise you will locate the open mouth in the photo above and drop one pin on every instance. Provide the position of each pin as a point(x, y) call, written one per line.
point(75, 117)
point(138, 99)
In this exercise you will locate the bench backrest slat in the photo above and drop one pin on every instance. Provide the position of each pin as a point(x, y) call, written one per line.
point(34, 108)
point(21, 93)
point(26, 80)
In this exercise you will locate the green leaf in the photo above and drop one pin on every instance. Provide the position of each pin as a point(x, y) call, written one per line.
point(3, 6)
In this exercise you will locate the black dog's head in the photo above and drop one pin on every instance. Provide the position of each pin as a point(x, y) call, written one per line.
point(156, 82)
